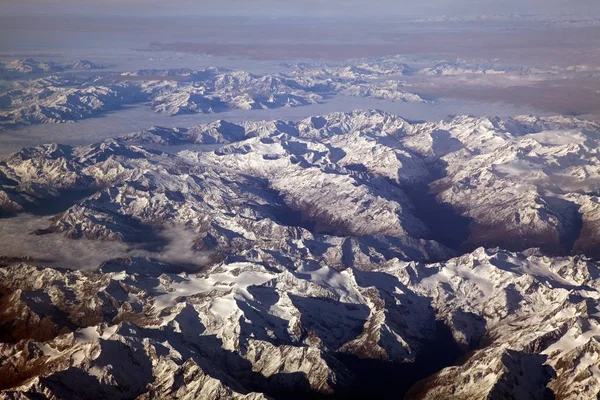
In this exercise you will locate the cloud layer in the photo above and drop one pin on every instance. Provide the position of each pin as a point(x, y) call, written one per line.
point(56, 250)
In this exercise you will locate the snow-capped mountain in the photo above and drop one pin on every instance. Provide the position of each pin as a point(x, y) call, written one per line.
point(40, 101)
point(446, 68)
point(359, 70)
point(349, 254)
point(229, 90)
point(136, 328)
point(519, 183)
point(65, 98)
point(23, 68)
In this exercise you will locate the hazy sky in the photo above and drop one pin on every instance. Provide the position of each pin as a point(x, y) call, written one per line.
point(301, 7)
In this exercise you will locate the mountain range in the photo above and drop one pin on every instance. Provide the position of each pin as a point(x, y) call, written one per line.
point(344, 255)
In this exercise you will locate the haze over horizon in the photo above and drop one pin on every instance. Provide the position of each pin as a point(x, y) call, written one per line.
point(303, 8)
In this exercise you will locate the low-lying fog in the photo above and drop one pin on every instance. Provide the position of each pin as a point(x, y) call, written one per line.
point(18, 240)
point(132, 119)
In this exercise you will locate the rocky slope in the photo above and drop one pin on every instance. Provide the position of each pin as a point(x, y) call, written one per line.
point(517, 183)
point(27, 67)
point(51, 98)
point(346, 255)
point(54, 100)
point(240, 329)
